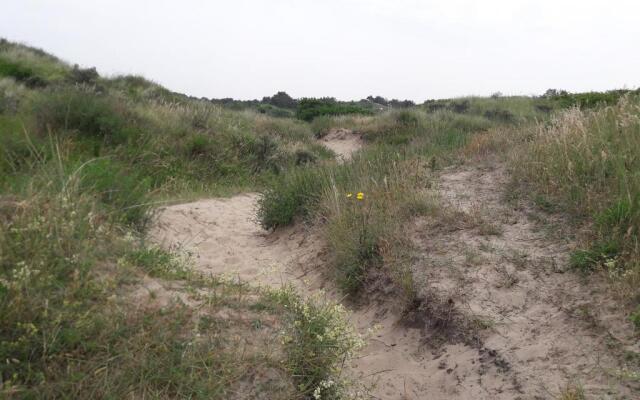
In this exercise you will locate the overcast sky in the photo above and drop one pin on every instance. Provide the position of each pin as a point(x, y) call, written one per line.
point(349, 49)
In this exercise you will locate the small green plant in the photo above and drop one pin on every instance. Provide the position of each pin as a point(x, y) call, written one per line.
point(293, 194)
point(598, 254)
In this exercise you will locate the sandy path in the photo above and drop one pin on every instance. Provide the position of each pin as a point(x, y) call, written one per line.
point(534, 338)
point(225, 239)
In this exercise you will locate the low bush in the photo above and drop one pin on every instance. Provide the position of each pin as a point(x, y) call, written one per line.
point(295, 193)
point(83, 75)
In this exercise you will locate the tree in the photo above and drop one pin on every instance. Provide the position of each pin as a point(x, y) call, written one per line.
point(281, 99)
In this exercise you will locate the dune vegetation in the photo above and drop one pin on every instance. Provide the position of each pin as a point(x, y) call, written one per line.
point(85, 161)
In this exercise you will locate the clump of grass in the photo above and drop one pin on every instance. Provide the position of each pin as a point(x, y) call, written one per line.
point(364, 234)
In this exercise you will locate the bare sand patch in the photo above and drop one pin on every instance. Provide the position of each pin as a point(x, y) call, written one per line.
point(343, 142)
point(500, 317)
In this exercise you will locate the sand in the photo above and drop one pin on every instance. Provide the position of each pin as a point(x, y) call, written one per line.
point(516, 318)
point(343, 142)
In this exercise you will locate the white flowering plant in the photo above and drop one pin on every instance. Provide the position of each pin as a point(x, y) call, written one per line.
point(318, 340)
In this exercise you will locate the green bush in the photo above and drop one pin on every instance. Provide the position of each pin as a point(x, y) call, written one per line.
point(308, 109)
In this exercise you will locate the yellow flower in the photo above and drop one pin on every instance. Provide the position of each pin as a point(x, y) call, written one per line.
point(349, 195)
point(360, 196)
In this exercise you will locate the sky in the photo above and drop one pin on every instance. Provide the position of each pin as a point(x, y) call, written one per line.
point(348, 49)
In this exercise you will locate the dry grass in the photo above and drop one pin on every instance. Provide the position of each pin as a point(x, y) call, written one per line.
point(583, 163)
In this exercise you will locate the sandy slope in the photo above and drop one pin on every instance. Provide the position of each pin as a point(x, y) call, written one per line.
point(224, 238)
point(546, 325)
point(513, 325)
point(343, 142)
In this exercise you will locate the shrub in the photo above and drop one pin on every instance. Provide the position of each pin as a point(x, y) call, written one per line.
point(87, 114)
point(295, 193)
point(460, 107)
point(281, 99)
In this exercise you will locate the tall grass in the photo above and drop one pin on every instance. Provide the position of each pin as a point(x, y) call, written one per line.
point(588, 162)
point(364, 234)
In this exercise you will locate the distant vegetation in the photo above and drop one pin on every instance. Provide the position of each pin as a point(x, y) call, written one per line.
point(308, 109)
